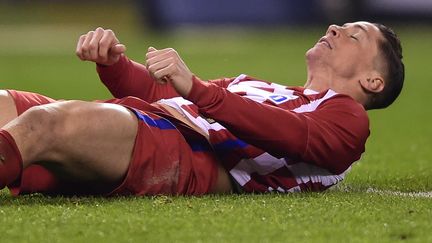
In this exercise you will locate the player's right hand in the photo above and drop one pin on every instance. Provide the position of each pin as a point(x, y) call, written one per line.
point(100, 46)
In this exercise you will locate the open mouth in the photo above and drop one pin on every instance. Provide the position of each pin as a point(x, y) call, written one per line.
point(324, 41)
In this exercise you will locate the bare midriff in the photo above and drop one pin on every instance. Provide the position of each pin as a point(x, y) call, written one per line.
point(223, 183)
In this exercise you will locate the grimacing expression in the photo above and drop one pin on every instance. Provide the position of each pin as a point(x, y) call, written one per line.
point(347, 50)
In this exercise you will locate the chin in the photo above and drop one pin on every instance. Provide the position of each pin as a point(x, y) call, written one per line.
point(313, 55)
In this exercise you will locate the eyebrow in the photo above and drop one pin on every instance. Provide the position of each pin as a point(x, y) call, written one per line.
point(360, 27)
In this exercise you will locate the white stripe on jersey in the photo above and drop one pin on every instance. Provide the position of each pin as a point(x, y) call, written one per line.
point(262, 164)
point(280, 189)
point(265, 163)
point(253, 90)
point(202, 123)
point(238, 79)
point(315, 103)
point(241, 175)
point(305, 173)
point(255, 94)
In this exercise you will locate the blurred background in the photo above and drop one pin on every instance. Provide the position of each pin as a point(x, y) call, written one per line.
point(262, 38)
point(219, 38)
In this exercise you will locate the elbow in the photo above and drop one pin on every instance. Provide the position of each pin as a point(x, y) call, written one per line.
point(336, 159)
point(342, 160)
point(338, 167)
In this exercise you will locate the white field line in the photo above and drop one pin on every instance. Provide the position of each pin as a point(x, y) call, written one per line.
point(402, 194)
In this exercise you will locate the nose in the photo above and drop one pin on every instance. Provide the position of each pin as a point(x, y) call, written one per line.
point(333, 30)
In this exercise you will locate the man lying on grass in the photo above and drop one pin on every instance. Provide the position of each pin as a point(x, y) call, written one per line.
point(168, 132)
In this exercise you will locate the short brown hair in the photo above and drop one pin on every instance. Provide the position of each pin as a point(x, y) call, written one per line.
point(391, 50)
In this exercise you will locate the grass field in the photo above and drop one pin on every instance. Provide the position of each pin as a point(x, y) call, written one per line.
point(387, 196)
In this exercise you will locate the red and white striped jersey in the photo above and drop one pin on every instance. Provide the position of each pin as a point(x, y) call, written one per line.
point(268, 136)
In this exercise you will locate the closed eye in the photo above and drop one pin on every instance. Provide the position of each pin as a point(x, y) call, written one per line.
point(355, 38)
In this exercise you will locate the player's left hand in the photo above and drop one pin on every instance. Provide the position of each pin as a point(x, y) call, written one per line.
point(166, 65)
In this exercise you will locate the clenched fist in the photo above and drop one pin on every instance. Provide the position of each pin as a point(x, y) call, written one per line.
point(166, 65)
point(100, 46)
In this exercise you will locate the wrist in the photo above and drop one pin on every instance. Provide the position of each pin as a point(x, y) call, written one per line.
point(119, 59)
point(114, 70)
point(197, 91)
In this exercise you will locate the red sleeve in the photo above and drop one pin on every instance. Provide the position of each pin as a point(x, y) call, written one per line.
point(337, 133)
point(332, 137)
point(129, 78)
point(222, 82)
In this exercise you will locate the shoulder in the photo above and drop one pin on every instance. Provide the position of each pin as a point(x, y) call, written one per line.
point(344, 126)
point(344, 104)
point(245, 79)
point(345, 112)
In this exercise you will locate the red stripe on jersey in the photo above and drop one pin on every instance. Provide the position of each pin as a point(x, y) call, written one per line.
point(325, 130)
point(267, 89)
point(191, 109)
point(280, 180)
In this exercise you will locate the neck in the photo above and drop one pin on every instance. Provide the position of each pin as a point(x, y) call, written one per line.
point(318, 83)
point(319, 80)
point(322, 81)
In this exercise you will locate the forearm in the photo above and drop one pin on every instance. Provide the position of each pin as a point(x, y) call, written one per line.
point(332, 137)
point(256, 123)
point(129, 78)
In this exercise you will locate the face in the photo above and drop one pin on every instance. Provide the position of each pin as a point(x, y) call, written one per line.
point(346, 50)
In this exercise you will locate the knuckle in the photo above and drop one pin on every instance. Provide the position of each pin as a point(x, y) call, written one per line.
point(102, 53)
point(159, 75)
point(84, 48)
point(173, 68)
point(92, 46)
point(173, 53)
point(170, 68)
point(149, 62)
point(94, 53)
point(103, 44)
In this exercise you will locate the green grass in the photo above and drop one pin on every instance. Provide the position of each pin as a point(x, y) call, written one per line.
point(40, 57)
point(335, 216)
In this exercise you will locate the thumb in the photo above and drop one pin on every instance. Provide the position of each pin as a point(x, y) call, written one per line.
point(151, 48)
point(118, 49)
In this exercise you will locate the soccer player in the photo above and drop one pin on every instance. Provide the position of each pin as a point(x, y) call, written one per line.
point(168, 132)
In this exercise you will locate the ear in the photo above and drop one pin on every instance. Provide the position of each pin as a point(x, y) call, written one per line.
point(373, 85)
